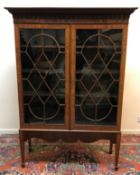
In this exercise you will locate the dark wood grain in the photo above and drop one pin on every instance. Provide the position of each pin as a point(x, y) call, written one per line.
point(70, 15)
point(70, 19)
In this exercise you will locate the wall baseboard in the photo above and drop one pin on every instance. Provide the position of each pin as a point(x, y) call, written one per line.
point(9, 131)
point(129, 131)
point(16, 131)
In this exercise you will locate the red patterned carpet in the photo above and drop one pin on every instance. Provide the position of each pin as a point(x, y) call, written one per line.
point(69, 159)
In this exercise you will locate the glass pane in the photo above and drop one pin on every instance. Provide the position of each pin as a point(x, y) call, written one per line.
point(114, 34)
point(98, 55)
point(43, 75)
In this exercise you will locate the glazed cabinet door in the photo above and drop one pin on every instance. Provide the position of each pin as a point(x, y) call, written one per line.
point(43, 75)
point(96, 76)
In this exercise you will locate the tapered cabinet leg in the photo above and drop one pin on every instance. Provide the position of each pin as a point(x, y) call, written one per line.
point(110, 147)
point(29, 145)
point(22, 148)
point(117, 150)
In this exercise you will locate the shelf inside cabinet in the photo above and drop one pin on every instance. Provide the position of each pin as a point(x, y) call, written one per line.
point(30, 93)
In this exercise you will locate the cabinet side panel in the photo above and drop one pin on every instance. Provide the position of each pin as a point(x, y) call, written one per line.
point(122, 73)
point(19, 79)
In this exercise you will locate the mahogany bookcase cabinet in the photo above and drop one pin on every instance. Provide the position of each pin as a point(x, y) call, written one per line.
point(70, 71)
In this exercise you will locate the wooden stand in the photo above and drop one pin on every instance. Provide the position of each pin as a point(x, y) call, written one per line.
point(73, 136)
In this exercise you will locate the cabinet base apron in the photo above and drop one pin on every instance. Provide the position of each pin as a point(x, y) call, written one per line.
point(69, 136)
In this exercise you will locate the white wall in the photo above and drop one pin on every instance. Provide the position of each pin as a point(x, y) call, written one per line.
point(9, 121)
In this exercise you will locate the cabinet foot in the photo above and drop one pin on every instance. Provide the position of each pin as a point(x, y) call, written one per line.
point(117, 149)
point(29, 145)
point(22, 165)
point(110, 147)
point(21, 139)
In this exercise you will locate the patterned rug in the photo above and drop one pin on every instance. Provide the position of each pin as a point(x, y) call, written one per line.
point(69, 159)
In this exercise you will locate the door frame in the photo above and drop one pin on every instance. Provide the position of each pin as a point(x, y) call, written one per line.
point(24, 125)
point(124, 28)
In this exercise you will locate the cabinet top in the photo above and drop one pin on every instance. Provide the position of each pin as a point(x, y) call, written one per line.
point(69, 13)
